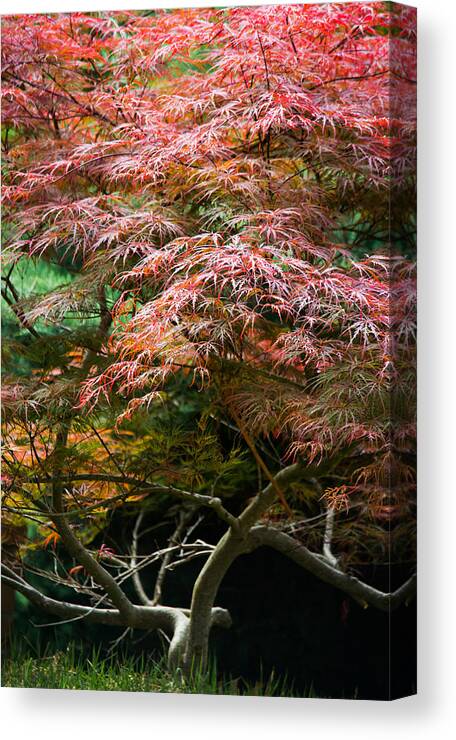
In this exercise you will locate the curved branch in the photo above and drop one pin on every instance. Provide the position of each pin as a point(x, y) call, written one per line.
point(230, 546)
point(360, 591)
point(64, 609)
point(173, 620)
point(212, 502)
point(266, 497)
point(327, 538)
point(77, 549)
point(133, 561)
point(178, 642)
point(96, 570)
point(184, 518)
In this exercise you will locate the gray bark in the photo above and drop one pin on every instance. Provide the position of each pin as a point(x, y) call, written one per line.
point(174, 621)
point(233, 543)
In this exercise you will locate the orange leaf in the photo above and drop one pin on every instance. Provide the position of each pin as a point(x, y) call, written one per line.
point(76, 569)
point(51, 539)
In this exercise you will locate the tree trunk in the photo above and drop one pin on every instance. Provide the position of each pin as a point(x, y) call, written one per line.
point(234, 542)
point(202, 613)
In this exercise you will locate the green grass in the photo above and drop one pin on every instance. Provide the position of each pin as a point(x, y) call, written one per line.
point(71, 670)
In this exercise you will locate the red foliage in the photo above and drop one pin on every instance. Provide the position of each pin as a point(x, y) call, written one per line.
point(229, 171)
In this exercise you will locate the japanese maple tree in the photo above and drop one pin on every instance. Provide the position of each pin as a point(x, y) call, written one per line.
point(231, 193)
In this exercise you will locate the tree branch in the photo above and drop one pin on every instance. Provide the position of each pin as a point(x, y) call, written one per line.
point(184, 518)
point(327, 538)
point(360, 591)
point(266, 497)
point(133, 561)
point(77, 549)
point(211, 502)
point(64, 609)
point(19, 313)
point(170, 619)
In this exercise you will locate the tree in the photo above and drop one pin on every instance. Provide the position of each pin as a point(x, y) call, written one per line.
point(231, 196)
